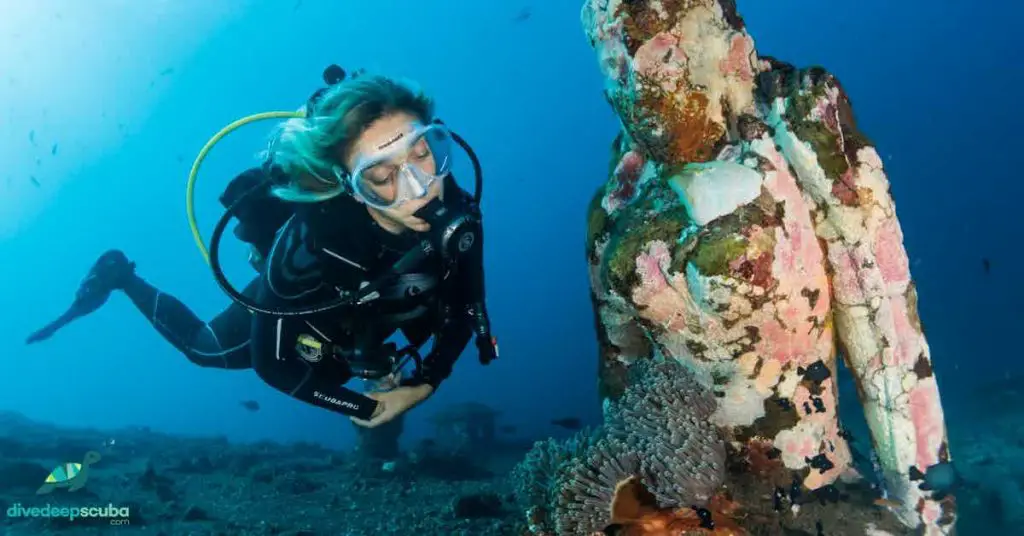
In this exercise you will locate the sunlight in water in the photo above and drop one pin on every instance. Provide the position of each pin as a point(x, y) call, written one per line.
point(76, 79)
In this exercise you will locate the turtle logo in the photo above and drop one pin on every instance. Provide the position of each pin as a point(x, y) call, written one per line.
point(72, 476)
point(309, 348)
point(466, 242)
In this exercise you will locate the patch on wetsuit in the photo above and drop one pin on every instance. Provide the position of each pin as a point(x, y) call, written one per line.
point(309, 348)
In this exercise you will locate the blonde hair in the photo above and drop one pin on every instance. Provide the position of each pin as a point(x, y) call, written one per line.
point(306, 149)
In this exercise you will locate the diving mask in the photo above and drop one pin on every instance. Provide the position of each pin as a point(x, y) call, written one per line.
point(400, 169)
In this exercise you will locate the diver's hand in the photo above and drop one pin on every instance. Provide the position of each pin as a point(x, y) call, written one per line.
point(394, 403)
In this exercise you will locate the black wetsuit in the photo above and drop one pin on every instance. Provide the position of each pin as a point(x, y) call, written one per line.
point(325, 247)
point(223, 342)
point(335, 246)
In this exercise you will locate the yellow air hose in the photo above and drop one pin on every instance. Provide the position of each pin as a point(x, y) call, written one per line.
point(194, 173)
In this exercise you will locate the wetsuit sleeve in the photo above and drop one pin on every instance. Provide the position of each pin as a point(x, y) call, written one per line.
point(221, 343)
point(451, 340)
point(276, 360)
point(460, 297)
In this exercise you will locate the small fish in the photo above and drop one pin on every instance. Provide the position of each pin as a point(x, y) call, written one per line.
point(569, 423)
point(34, 180)
point(819, 528)
point(508, 429)
point(53, 150)
point(986, 265)
point(817, 372)
point(167, 71)
point(251, 405)
point(821, 463)
point(705, 518)
point(523, 15)
point(32, 137)
point(941, 479)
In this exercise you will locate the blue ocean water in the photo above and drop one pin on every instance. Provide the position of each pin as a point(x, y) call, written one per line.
point(104, 105)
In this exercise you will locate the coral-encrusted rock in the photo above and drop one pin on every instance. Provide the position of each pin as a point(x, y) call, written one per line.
point(657, 433)
point(747, 230)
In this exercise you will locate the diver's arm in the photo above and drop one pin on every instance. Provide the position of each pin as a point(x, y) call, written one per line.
point(462, 312)
point(874, 298)
point(277, 361)
point(221, 343)
point(470, 293)
point(449, 343)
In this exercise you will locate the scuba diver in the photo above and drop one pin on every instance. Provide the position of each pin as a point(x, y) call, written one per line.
point(383, 239)
point(358, 230)
point(224, 341)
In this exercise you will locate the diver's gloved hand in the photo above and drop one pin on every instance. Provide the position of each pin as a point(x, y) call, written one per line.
point(111, 271)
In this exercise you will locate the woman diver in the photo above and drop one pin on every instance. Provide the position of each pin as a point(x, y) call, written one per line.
point(384, 236)
point(379, 239)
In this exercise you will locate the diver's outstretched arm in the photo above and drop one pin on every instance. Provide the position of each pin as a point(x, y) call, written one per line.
point(276, 360)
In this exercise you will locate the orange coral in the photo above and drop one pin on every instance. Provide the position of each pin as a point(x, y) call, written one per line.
point(762, 456)
point(687, 134)
point(642, 22)
point(635, 513)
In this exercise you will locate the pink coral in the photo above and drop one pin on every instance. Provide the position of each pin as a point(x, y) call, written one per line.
point(737, 63)
point(661, 57)
point(907, 341)
point(626, 175)
point(889, 253)
point(926, 414)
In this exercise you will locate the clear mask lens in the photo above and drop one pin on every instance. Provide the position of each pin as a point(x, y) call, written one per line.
point(405, 169)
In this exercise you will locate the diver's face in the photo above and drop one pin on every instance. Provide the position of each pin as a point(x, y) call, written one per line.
point(382, 178)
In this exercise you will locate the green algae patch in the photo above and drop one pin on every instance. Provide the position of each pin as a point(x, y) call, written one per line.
point(657, 215)
point(715, 255)
point(825, 145)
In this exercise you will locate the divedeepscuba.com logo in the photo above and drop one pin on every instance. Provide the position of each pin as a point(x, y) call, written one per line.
point(118, 515)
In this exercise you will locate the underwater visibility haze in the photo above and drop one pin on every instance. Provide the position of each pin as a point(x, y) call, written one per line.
point(751, 267)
